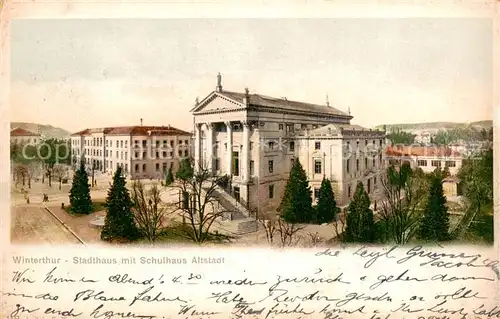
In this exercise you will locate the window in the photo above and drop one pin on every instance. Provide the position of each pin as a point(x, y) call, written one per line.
point(164, 154)
point(436, 163)
point(271, 166)
point(217, 164)
point(126, 145)
point(180, 153)
point(144, 167)
point(366, 162)
point(136, 154)
point(144, 155)
point(137, 167)
point(349, 191)
point(180, 142)
point(157, 154)
point(144, 143)
point(366, 142)
point(280, 126)
point(317, 166)
point(157, 144)
point(121, 155)
point(186, 142)
point(381, 142)
point(292, 146)
point(373, 163)
point(450, 164)
point(186, 153)
point(271, 145)
point(348, 165)
point(164, 167)
point(126, 167)
point(271, 191)
point(157, 167)
point(252, 164)
point(251, 145)
point(357, 164)
point(374, 180)
point(121, 144)
point(292, 161)
point(225, 146)
point(116, 154)
point(171, 154)
point(172, 144)
point(171, 165)
point(421, 162)
point(316, 194)
point(317, 145)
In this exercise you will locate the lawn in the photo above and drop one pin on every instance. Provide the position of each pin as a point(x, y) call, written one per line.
point(96, 206)
point(177, 233)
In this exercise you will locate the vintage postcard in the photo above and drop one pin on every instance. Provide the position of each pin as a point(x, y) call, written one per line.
point(238, 161)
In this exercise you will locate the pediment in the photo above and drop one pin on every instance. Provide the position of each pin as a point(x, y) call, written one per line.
point(216, 102)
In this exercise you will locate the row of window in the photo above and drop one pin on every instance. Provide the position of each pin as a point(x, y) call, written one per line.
point(157, 143)
point(374, 163)
point(423, 163)
point(98, 141)
point(137, 167)
point(181, 153)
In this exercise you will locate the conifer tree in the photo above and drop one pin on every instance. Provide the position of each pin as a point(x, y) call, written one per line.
point(186, 171)
point(435, 222)
point(169, 179)
point(119, 222)
point(360, 224)
point(296, 204)
point(79, 195)
point(327, 209)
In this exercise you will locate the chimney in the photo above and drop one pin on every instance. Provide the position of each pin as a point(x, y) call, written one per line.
point(327, 101)
point(141, 121)
point(218, 88)
point(246, 99)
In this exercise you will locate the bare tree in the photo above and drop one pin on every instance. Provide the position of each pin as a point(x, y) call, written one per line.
point(315, 239)
point(198, 203)
point(401, 207)
point(60, 172)
point(288, 233)
point(149, 210)
point(270, 226)
point(340, 224)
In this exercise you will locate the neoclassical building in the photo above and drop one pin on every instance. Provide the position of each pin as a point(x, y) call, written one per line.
point(141, 151)
point(255, 139)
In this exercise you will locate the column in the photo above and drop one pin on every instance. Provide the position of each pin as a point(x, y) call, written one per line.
point(197, 144)
point(229, 149)
point(246, 152)
point(210, 147)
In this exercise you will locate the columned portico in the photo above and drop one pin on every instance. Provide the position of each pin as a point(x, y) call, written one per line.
point(197, 146)
point(209, 161)
point(229, 148)
point(245, 151)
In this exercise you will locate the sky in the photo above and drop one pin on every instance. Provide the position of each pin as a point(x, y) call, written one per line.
point(77, 74)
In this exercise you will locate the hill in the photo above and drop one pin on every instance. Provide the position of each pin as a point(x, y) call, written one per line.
point(47, 131)
point(437, 125)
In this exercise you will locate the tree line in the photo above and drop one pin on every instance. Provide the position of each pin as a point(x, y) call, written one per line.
point(47, 160)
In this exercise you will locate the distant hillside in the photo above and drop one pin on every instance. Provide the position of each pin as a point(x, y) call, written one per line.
point(437, 125)
point(47, 131)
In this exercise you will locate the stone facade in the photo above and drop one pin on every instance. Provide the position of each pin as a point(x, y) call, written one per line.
point(141, 151)
point(255, 139)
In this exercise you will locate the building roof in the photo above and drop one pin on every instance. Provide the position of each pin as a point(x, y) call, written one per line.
point(431, 151)
point(22, 132)
point(337, 129)
point(134, 130)
point(263, 101)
